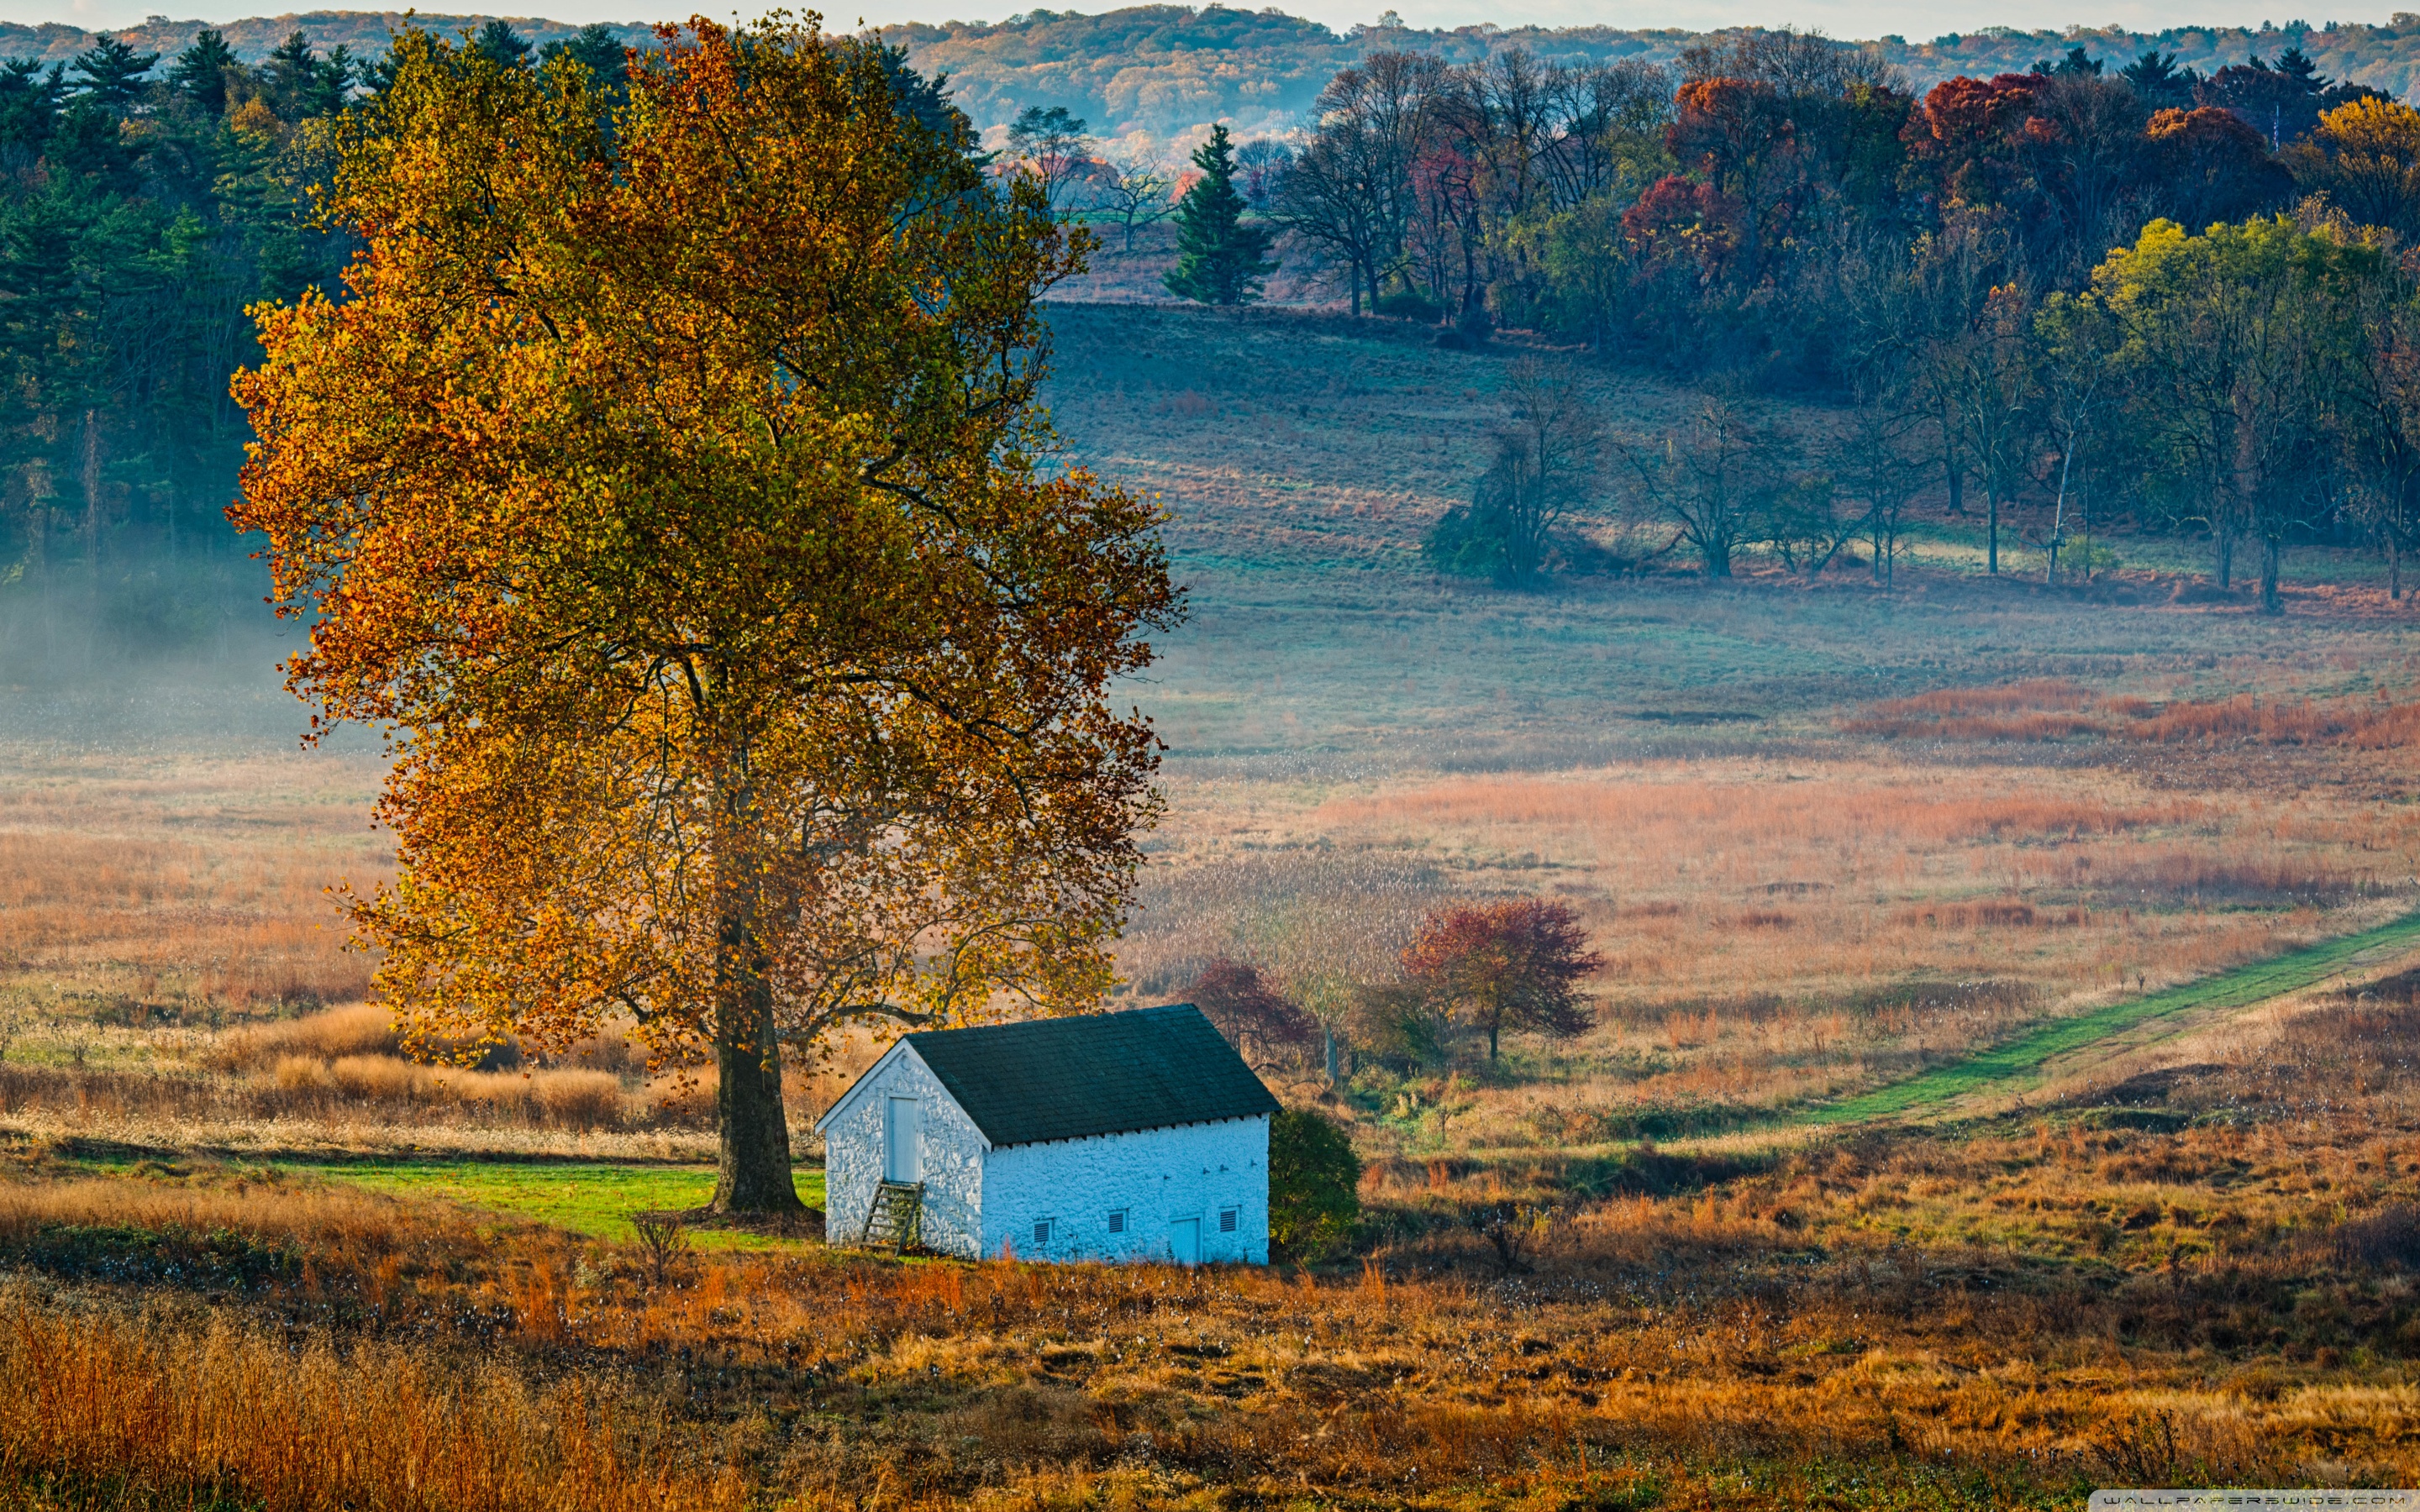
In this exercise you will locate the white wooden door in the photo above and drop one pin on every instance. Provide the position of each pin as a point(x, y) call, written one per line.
point(1185, 1241)
point(903, 1141)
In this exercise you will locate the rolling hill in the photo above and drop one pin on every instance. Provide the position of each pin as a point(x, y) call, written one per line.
point(1164, 69)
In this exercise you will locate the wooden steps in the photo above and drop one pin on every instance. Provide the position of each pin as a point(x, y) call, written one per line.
point(896, 1218)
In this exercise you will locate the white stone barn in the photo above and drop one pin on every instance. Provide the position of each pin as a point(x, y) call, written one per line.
point(1139, 1136)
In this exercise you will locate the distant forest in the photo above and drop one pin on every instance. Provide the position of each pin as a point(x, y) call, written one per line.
point(1166, 69)
point(2175, 292)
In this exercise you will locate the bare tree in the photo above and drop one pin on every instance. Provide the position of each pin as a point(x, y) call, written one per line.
point(2085, 154)
point(1880, 460)
point(1351, 190)
point(1260, 166)
point(1949, 280)
point(1711, 478)
point(1609, 118)
point(2077, 343)
point(2376, 422)
point(1548, 452)
point(1134, 193)
point(1988, 371)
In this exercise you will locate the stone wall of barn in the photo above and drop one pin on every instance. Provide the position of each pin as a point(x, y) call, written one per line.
point(1054, 1201)
point(952, 1151)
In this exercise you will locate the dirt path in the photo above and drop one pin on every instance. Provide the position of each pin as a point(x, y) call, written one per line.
point(2018, 1065)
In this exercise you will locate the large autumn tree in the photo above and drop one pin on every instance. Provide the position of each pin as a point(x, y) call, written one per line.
point(671, 486)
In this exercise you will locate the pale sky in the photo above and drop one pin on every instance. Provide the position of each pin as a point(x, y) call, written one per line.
point(1840, 17)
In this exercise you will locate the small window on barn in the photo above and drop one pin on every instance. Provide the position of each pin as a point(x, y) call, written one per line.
point(1117, 1220)
point(1228, 1218)
point(1042, 1231)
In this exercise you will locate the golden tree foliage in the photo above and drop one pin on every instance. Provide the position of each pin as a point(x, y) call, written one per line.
point(673, 487)
point(2366, 158)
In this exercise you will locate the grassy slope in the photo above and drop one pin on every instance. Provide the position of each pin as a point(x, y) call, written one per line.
point(2009, 1063)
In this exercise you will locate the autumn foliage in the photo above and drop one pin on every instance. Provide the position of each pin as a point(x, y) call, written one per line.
point(1256, 1018)
point(670, 485)
point(1504, 966)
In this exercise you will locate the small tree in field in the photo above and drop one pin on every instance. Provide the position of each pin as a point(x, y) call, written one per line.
point(747, 653)
point(1511, 965)
point(1546, 462)
point(1134, 193)
point(1257, 1020)
point(1218, 257)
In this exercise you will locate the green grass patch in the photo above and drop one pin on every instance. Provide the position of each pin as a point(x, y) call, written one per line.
point(2020, 1058)
point(596, 1201)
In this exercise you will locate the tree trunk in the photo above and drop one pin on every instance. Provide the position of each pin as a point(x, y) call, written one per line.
point(1494, 1027)
point(1718, 560)
point(754, 1173)
point(1991, 530)
point(1956, 477)
point(1335, 1060)
point(2224, 540)
point(2394, 569)
point(2270, 549)
point(92, 501)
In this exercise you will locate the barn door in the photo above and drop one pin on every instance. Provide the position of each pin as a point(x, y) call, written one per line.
point(1185, 1241)
point(903, 1141)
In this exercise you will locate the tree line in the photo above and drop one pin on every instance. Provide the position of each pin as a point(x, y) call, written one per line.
point(2180, 297)
point(146, 203)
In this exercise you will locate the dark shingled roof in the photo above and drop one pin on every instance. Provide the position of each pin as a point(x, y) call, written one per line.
point(1097, 1074)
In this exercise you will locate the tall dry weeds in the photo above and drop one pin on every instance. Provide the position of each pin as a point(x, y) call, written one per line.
point(175, 1407)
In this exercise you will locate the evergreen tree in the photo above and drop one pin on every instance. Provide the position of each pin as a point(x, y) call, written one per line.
point(201, 70)
point(292, 74)
point(1218, 257)
point(2078, 64)
point(501, 45)
point(335, 78)
point(2160, 82)
point(29, 101)
point(111, 73)
point(598, 50)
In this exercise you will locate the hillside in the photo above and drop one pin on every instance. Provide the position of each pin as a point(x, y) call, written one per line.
point(1163, 69)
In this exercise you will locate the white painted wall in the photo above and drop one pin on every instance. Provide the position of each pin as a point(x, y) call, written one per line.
point(1158, 1177)
point(952, 1151)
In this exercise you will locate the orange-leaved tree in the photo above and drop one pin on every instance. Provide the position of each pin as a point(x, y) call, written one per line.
point(672, 488)
point(1506, 965)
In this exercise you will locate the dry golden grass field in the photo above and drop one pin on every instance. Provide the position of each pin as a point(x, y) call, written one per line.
point(1828, 837)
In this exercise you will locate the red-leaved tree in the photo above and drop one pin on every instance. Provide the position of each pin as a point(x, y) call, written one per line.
point(1506, 965)
point(1258, 1021)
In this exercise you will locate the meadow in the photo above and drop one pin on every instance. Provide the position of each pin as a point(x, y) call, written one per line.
point(1768, 1234)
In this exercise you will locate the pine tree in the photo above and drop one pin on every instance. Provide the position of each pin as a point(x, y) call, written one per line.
point(1218, 259)
point(501, 45)
point(201, 71)
point(111, 73)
